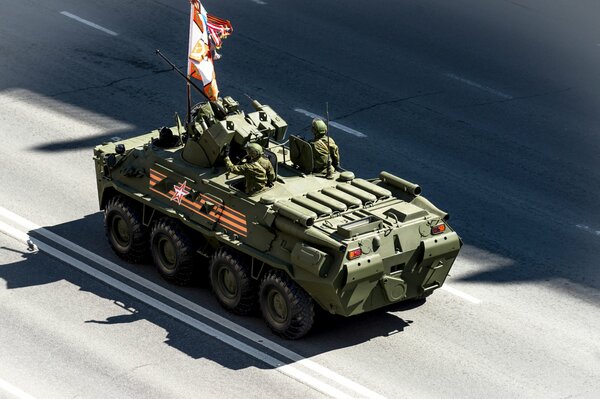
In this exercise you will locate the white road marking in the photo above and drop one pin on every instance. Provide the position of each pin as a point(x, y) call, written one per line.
point(89, 23)
point(288, 370)
point(588, 229)
point(461, 294)
point(199, 310)
point(13, 390)
point(479, 86)
point(334, 124)
point(262, 3)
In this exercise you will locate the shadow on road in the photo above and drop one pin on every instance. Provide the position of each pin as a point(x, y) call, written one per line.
point(329, 333)
point(85, 142)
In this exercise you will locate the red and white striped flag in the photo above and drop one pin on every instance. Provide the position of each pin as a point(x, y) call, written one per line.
point(206, 32)
point(219, 29)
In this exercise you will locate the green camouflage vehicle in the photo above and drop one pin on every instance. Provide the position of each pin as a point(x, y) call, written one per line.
point(345, 244)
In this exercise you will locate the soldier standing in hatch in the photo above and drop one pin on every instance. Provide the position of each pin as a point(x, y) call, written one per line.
point(258, 171)
point(326, 154)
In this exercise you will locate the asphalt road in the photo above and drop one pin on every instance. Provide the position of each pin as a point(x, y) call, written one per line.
point(491, 106)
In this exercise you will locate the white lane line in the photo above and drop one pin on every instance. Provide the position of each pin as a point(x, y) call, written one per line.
point(262, 3)
point(461, 294)
point(334, 124)
point(199, 310)
point(88, 23)
point(13, 390)
point(288, 370)
point(479, 86)
point(588, 229)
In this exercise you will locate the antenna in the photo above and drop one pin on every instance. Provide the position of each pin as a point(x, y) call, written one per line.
point(327, 134)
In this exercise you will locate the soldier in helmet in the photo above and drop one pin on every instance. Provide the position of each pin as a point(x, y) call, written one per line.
point(326, 154)
point(258, 171)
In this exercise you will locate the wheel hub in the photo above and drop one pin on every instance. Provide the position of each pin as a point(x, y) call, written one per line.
point(120, 230)
point(228, 283)
point(278, 306)
point(167, 252)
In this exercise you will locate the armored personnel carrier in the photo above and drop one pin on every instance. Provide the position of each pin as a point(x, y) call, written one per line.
point(345, 244)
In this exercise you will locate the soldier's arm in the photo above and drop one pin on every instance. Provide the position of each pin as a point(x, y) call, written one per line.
point(235, 169)
point(335, 153)
point(270, 174)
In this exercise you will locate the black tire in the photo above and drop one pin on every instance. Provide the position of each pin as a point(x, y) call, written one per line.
point(124, 229)
point(173, 251)
point(286, 307)
point(232, 283)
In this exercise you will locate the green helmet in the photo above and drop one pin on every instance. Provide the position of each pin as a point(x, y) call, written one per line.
point(319, 128)
point(254, 150)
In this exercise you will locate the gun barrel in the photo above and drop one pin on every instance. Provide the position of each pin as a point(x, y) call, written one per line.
point(182, 74)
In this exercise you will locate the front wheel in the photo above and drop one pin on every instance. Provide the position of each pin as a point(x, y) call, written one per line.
point(124, 229)
point(286, 307)
point(172, 251)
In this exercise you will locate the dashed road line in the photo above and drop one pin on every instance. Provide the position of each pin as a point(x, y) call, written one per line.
point(479, 86)
point(333, 124)
point(461, 294)
point(291, 371)
point(88, 23)
point(588, 229)
point(260, 2)
point(13, 391)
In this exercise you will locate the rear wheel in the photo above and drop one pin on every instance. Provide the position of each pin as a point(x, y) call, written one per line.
point(173, 251)
point(124, 229)
point(232, 283)
point(286, 307)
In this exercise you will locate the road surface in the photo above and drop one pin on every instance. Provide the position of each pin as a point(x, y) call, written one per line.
point(490, 106)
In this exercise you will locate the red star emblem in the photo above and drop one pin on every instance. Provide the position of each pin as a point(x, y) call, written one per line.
point(181, 190)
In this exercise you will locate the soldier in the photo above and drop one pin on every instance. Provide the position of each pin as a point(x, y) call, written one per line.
point(326, 154)
point(258, 171)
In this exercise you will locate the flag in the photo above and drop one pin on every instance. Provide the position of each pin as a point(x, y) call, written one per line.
point(219, 29)
point(206, 33)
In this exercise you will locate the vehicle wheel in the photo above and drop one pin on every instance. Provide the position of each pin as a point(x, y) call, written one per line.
point(172, 251)
point(124, 229)
point(232, 284)
point(286, 307)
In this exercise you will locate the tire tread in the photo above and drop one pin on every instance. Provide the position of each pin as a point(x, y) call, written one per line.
point(302, 305)
point(184, 245)
point(139, 250)
point(248, 302)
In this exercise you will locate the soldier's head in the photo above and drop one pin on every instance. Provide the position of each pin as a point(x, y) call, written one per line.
point(319, 128)
point(254, 151)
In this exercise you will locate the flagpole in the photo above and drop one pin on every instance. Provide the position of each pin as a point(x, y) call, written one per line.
point(187, 67)
point(189, 102)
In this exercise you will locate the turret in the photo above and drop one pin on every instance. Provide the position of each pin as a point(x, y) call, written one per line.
point(218, 123)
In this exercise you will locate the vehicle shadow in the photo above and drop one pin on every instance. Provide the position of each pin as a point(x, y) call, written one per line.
point(329, 333)
point(88, 142)
point(31, 270)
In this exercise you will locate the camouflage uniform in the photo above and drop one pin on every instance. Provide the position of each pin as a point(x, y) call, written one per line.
point(258, 172)
point(324, 148)
point(320, 152)
point(268, 167)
